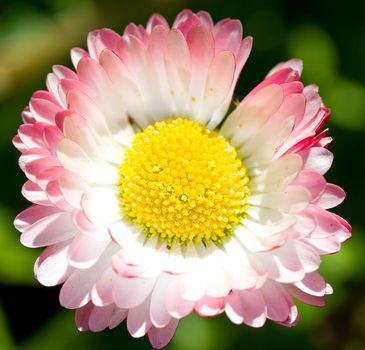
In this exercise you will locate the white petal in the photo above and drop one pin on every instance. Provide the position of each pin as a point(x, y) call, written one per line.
point(131, 292)
point(129, 94)
point(218, 87)
point(193, 285)
point(278, 302)
point(264, 145)
point(85, 251)
point(49, 230)
point(100, 316)
point(118, 317)
point(304, 297)
point(177, 306)
point(158, 311)
point(318, 159)
point(33, 214)
point(76, 290)
point(102, 291)
point(138, 320)
point(313, 284)
point(291, 200)
point(253, 308)
point(83, 105)
point(308, 257)
point(219, 278)
point(74, 159)
point(283, 264)
point(208, 306)
point(160, 337)
point(33, 193)
point(175, 262)
point(177, 61)
point(331, 197)
point(278, 175)
point(233, 307)
point(72, 188)
point(249, 117)
point(101, 205)
point(52, 267)
point(131, 240)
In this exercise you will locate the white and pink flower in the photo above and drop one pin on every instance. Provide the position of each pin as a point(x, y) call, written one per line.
point(78, 134)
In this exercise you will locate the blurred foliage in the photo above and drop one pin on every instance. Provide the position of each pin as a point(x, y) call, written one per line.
point(21, 258)
point(6, 341)
point(328, 36)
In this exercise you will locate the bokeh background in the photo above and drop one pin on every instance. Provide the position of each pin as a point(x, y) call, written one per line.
point(327, 35)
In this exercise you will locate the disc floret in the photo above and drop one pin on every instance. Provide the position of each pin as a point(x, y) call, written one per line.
point(183, 182)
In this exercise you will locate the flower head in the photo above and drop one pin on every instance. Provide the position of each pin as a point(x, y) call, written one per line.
point(153, 203)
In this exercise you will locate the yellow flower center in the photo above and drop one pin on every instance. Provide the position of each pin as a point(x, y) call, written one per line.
point(183, 183)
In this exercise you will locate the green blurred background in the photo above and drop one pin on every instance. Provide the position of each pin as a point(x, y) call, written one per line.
point(327, 35)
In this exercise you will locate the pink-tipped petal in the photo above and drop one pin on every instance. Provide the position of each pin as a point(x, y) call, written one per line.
point(156, 20)
point(82, 317)
point(332, 196)
point(160, 337)
point(295, 64)
point(253, 308)
point(138, 320)
point(49, 230)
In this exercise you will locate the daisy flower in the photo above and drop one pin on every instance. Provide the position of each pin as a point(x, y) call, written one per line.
point(152, 202)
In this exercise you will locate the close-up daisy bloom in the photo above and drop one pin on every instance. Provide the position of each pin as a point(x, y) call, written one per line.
point(156, 195)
